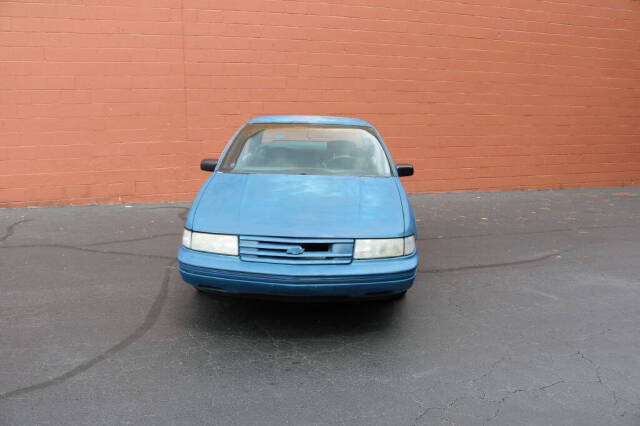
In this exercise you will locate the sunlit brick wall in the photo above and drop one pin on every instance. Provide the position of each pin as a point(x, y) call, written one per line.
point(117, 101)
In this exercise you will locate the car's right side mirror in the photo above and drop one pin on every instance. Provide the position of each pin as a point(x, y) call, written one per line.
point(208, 164)
point(404, 169)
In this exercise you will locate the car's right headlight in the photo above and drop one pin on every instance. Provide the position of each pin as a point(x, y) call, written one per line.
point(384, 247)
point(211, 243)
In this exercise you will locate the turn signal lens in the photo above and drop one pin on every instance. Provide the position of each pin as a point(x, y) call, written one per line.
point(186, 238)
point(409, 245)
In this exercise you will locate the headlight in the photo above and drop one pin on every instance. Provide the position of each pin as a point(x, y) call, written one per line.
point(384, 247)
point(211, 243)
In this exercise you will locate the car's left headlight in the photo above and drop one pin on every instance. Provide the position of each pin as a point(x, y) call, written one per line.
point(384, 247)
point(211, 243)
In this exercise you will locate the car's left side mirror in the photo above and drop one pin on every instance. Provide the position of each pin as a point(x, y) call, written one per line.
point(404, 169)
point(208, 164)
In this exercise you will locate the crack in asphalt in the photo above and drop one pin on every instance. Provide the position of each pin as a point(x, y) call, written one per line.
point(492, 366)
point(11, 229)
point(544, 231)
point(131, 239)
point(426, 410)
point(510, 394)
point(149, 320)
point(544, 388)
point(539, 258)
point(81, 248)
point(500, 403)
point(593, 364)
point(182, 215)
point(598, 375)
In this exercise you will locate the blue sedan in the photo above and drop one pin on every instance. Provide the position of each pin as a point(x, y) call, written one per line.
point(302, 207)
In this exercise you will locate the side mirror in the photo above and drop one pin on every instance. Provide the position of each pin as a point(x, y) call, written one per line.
point(208, 164)
point(404, 169)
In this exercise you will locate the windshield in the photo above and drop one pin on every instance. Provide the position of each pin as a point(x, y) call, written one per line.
point(304, 149)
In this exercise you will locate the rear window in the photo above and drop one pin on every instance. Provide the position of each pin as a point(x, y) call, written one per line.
point(304, 149)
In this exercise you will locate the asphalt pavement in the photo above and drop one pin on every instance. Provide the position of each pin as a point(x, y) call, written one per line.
point(526, 310)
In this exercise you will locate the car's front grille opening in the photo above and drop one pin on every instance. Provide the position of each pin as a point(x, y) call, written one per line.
point(315, 247)
point(296, 250)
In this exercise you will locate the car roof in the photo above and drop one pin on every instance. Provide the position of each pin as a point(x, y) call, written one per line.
point(310, 119)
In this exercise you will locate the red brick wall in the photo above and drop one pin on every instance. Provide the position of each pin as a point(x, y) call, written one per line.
point(104, 102)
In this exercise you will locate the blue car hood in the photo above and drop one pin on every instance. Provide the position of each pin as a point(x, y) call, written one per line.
point(300, 206)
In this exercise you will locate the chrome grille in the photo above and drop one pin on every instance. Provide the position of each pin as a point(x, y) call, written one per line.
point(296, 250)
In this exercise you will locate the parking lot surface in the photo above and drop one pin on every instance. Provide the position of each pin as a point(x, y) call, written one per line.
point(526, 310)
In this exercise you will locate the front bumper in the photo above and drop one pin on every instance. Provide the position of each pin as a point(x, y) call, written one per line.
point(359, 279)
